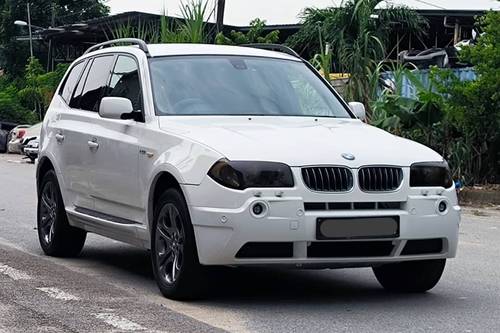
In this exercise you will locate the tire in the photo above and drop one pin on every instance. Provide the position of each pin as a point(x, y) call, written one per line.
point(176, 267)
point(57, 238)
point(410, 276)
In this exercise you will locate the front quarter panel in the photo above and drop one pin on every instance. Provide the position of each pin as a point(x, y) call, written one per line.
point(186, 160)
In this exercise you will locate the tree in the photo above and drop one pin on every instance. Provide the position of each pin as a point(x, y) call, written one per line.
point(358, 34)
point(13, 54)
point(475, 105)
point(254, 35)
point(39, 86)
point(31, 95)
point(459, 119)
point(191, 28)
point(10, 108)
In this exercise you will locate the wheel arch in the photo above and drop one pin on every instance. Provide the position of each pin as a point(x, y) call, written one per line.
point(161, 182)
point(44, 165)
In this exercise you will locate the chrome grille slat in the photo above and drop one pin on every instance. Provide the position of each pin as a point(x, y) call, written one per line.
point(340, 178)
point(380, 178)
point(314, 177)
point(391, 178)
point(334, 176)
point(328, 179)
point(323, 181)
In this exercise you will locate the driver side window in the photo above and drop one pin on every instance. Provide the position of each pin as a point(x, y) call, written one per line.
point(125, 82)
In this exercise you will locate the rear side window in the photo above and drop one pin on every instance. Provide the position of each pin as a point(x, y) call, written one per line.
point(71, 81)
point(77, 95)
point(125, 82)
point(95, 83)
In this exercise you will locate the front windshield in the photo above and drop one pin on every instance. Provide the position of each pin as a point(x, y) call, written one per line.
point(239, 85)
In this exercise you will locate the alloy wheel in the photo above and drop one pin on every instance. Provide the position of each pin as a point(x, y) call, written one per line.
point(48, 211)
point(169, 243)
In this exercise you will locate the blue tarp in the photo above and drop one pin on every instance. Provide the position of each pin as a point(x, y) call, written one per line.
point(408, 90)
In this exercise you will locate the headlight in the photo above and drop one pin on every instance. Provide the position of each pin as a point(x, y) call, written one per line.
point(430, 174)
point(244, 174)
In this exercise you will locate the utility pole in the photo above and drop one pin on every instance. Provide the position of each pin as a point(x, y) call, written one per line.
point(221, 4)
point(29, 29)
point(52, 25)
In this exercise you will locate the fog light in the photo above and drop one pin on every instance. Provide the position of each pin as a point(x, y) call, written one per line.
point(442, 207)
point(258, 208)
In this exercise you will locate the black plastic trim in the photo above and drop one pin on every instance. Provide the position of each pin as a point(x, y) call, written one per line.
point(104, 216)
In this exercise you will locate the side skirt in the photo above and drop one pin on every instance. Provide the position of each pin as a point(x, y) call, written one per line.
point(113, 227)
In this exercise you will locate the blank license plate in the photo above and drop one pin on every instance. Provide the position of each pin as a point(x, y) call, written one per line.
point(357, 227)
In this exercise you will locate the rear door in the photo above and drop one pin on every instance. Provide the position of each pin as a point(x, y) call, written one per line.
point(76, 126)
point(67, 133)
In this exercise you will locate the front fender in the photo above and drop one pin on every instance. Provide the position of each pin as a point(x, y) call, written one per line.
point(186, 161)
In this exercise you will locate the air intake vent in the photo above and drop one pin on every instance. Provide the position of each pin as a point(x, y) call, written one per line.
point(349, 249)
point(328, 179)
point(374, 179)
point(312, 206)
point(266, 250)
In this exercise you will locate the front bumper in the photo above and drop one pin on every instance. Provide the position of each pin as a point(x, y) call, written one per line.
point(223, 223)
point(15, 147)
point(31, 152)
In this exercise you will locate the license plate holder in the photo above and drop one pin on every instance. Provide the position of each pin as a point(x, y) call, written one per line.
point(357, 227)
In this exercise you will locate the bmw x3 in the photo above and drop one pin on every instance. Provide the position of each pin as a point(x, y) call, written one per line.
point(224, 155)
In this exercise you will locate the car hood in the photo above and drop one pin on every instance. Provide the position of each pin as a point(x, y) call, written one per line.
point(298, 141)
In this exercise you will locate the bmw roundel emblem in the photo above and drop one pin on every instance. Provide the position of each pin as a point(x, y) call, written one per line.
point(349, 157)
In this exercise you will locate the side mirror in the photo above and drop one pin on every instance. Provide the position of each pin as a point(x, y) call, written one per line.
point(115, 107)
point(358, 109)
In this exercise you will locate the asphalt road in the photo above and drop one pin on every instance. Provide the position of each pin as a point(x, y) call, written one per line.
point(110, 287)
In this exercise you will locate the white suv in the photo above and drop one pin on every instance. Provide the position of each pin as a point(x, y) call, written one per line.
point(221, 155)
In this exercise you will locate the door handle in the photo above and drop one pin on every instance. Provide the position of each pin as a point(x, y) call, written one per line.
point(59, 137)
point(92, 144)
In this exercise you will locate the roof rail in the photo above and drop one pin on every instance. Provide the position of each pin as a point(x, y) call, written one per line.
point(135, 41)
point(274, 47)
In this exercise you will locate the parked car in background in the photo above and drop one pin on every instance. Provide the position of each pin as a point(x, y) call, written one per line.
point(31, 149)
point(30, 142)
point(5, 128)
point(16, 139)
point(31, 133)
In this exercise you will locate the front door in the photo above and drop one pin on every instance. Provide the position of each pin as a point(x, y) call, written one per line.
point(114, 175)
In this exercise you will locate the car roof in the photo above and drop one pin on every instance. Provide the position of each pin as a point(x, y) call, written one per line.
point(164, 50)
point(159, 50)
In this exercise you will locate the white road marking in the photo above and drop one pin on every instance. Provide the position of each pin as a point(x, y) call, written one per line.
point(119, 322)
point(231, 321)
point(58, 294)
point(13, 273)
